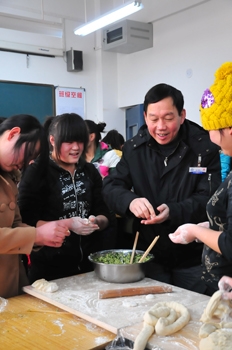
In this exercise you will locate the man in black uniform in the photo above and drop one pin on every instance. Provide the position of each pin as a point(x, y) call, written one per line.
point(167, 173)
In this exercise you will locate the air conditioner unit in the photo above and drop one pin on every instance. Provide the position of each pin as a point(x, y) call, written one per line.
point(127, 36)
point(30, 49)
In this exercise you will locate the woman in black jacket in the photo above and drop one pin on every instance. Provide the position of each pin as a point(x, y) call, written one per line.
point(216, 233)
point(68, 189)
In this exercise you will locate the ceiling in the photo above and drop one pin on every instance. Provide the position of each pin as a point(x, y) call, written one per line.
point(49, 16)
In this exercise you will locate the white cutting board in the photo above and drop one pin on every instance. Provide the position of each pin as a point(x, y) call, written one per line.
point(79, 295)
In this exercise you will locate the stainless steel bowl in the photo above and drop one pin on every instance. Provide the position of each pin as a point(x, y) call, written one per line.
point(119, 273)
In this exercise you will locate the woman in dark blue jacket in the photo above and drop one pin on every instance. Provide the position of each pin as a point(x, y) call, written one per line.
point(68, 189)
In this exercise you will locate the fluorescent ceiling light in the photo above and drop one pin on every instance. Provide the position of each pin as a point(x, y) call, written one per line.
point(108, 18)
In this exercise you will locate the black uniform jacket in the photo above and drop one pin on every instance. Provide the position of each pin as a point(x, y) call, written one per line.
point(142, 173)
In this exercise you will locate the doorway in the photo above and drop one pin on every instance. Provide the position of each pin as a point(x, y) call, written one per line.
point(134, 120)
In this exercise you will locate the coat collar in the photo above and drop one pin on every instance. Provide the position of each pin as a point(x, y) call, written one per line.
point(79, 166)
point(191, 135)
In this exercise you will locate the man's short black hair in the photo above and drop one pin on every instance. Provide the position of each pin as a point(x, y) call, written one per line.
point(161, 91)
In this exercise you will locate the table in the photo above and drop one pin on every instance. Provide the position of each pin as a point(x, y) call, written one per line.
point(29, 323)
point(79, 296)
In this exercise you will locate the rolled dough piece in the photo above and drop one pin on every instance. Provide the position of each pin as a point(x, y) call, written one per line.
point(216, 307)
point(216, 335)
point(218, 340)
point(211, 307)
point(172, 325)
point(165, 318)
point(45, 286)
point(142, 338)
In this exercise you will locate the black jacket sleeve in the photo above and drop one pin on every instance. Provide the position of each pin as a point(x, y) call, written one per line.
point(32, 194)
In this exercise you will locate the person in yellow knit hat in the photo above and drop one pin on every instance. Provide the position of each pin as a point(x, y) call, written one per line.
point(216, 234)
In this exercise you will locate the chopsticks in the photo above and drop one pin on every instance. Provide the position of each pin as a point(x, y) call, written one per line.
point(134, 246)
point(149, 248)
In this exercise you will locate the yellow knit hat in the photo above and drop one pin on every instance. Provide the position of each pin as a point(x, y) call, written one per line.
point(216, 102)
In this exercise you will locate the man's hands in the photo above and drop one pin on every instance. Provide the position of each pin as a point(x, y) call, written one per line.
point(143, 209)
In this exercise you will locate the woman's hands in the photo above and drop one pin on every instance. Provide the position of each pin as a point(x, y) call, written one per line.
point(51, 234)
point(225, 285)
point(184, 234)
point(83, 226)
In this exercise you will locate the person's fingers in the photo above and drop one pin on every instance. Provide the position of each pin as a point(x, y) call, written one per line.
point(144, 209)
point(225, 283)
point(54, 244)
point(227, 295)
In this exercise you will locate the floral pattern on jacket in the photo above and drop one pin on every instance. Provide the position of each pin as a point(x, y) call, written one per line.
point(219, 211)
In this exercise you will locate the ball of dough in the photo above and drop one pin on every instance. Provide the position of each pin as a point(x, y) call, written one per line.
point(45, 286)
point(129, 303)
point(206, 329)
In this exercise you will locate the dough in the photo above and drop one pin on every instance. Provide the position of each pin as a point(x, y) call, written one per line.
point(206, 329)
point(164, 318)
point(219, 340)
point(211, 307)
point(216, 307)
point(3, 304)
point(150, 296)
point(129, 304)
point(215, 333)
point(45, 286)
point(142, 338)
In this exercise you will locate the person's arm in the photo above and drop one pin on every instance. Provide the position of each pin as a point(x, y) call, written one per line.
point(76, 224)
point(21, 240)
point(119, 195)
point(117, 187)
point(18, 240)
point(188, 233)
point(98, 207)
point(219, 241)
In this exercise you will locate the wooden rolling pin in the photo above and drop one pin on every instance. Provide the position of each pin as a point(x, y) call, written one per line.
point(126, 292)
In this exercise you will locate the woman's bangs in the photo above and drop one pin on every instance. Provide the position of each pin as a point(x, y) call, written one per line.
point(73, 134)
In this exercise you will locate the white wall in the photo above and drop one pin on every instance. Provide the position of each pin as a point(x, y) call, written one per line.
point(197, 40)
